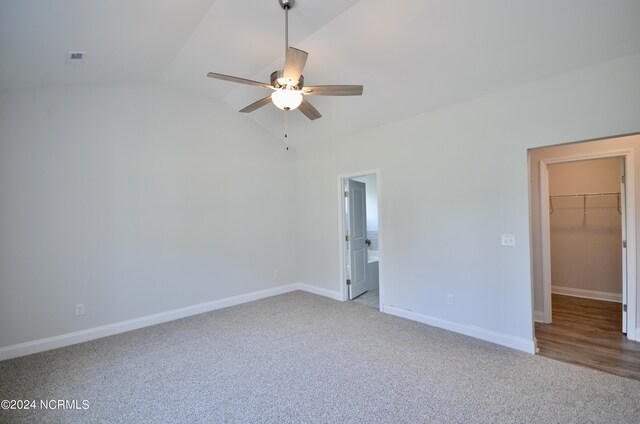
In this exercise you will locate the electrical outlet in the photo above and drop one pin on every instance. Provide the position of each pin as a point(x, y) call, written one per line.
point(275, 274)
point(80, 309)
point(449, 299)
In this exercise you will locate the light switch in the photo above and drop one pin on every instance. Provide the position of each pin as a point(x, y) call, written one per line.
point(508, 240)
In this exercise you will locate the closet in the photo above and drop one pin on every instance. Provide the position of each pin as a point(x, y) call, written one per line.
point(585, 218)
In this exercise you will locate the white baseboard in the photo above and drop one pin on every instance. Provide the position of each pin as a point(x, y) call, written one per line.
point(68, 339)
point(55, 342)
point(320, 291)
point(587, 294)
point(479, 333)
point(538, 316)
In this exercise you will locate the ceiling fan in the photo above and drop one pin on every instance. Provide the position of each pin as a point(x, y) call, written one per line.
point(288, 84)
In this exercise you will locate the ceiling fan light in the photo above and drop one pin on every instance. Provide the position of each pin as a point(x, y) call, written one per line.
point(286, 99)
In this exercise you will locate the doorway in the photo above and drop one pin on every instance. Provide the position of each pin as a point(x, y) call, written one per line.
point(583, 219)
point(588, 294)
point(587, 231)
point(360, 238)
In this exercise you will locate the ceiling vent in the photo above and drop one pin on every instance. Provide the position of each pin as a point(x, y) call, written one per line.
point(75, 58)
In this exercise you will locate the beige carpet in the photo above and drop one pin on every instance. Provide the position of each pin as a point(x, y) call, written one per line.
point(301, 358)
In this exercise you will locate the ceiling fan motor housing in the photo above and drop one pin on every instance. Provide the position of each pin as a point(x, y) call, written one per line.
point(278, 76)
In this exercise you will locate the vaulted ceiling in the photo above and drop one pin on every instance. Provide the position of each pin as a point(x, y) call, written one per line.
point(412, 56)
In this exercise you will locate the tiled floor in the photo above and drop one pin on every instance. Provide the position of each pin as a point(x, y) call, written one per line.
point(369, 298)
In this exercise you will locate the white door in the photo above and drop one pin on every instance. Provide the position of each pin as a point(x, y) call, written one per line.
point(357, 239)
point(623, 219)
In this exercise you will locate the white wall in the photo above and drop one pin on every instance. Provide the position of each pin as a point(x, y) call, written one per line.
point(134, 199)
point(586, 232)
point(451, 182)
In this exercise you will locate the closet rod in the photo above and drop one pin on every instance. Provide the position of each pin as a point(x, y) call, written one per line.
point(584, 199)
point(587, 194)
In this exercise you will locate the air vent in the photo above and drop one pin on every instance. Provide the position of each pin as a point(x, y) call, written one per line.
point(75, 58)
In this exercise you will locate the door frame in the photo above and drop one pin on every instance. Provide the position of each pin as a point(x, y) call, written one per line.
point(545, 229)
point(343, 225)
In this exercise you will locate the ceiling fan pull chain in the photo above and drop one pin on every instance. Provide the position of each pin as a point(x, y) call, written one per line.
point(286, 129)
point(286, 124)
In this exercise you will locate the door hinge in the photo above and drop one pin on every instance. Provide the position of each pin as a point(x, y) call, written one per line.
point(624, 244)
point(346, 194)
point(623, 179)
point(624, 308)
point(349, 282)
point(347, 238)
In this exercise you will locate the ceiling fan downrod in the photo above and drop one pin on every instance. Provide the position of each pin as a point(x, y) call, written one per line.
point(286, 5)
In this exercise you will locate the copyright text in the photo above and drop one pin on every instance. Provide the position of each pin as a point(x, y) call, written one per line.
point(62, 404)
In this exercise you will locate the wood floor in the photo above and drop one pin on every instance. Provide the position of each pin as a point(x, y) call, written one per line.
point(589, 333)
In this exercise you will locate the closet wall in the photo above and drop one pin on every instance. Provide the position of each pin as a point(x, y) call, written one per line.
point(586, 254)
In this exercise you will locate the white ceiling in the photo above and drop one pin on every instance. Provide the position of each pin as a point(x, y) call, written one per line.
point(125, 40)
point(412, 56)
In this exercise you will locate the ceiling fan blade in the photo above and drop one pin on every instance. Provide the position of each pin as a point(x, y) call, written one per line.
point(238, 80)
point(333, 90)
point(309, 111)
point(256, 105)
point(294, 64)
